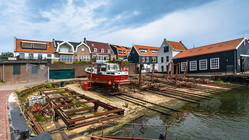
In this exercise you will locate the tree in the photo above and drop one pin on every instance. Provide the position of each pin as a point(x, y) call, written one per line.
point(8, 54)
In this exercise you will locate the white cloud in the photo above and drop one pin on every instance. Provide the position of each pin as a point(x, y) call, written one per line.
point(206, 24)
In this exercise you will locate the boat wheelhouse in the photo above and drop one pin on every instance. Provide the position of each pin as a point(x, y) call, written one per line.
point(108, 73)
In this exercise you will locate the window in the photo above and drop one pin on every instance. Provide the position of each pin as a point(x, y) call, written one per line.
point(143, 58)
point(183, 65)
point(162, 69)
point(39, 46)
point(167, 58)
point(26, 45)
point(102, 50)
point(64, 49)
point(94, 56)
point(48, 55)
point(108, 51)
point(94, 49)
point(103, 68)
point(21, 55)
point(128, 52)
point(66, 58)
point(153, 59)
point(166, 49)
point(120, 51)
point(154, 51)
point(161, 59)
point(214, 63)
point(39, 56)
point(34, 69)
point(80, 57)
point(86, 57)
point(193, 65)
point(30, 55)
point(124, 52)
point(82, 49)
point(143, 50)
point(203, 64)
point(16, 69)
point(147, 59)
point(92, 44)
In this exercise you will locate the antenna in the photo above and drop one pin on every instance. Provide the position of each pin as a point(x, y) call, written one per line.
point(244, 39)
point(193, 45)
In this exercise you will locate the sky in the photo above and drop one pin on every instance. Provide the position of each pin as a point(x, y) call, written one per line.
point(124, 22)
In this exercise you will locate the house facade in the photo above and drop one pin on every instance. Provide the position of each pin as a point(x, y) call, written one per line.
point(167, 51)
point(227, 57)
point(100, 52)
point(146, 53)
point(34, 49)
point(121, 52)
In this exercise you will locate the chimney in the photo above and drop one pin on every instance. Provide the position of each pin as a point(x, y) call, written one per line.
point(165, 39)
point(84, 40)
point(180, 41)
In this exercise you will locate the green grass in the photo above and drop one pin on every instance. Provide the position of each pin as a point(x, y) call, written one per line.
point(39, 117)
point(103, 96)
point(83, 105)
point(218, 81)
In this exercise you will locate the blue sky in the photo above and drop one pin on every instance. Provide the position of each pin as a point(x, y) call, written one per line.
point(124, 22)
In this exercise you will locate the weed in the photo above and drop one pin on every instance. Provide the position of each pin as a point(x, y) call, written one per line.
point(103, 96)
point(83, 105)
point(218, 81)
point(39, 117)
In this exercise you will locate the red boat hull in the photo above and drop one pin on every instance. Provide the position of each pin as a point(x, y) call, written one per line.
point(105, 79)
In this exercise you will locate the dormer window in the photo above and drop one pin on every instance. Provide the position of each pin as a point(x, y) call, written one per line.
point(120, 51)
point(108, 51)
point(102, 50)
point(124, 52)
point(143, 51)
point(92, 44)
point(82, 49)
point(94, 49)
point(154, 51)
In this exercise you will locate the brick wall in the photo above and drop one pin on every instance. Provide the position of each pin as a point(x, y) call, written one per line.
point(8, 73)
point(80, 68)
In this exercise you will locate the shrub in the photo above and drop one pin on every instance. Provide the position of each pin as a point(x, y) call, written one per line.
point(59, 62)
point(83, 62)
point(48, 85)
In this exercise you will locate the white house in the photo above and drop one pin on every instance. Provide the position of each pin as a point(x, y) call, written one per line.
point(167, 51)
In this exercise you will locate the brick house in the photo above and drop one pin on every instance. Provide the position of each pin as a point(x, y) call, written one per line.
point(82, 52)
point(100, 52)
point(15, 70)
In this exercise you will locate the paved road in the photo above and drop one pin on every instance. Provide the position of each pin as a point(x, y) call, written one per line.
point(4, 123)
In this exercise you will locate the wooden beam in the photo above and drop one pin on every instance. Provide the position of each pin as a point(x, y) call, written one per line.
point(90, 101)
point(95, 115)
point(78, 110)
point(65, 97)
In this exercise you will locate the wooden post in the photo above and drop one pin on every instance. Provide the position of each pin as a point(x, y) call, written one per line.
point(91, 76)
point(153, 67)
point(185, 69)
point(176, 74)
point(140, 71)
point(168, 70)
point(172, 65)
point(121, 65)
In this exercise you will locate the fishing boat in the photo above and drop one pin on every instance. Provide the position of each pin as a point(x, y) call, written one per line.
point(108, 73)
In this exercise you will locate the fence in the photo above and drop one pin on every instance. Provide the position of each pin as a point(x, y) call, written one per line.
point(35, 72)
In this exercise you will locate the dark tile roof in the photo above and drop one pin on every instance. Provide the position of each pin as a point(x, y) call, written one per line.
point(99, 46)
point(42, 136)
point(75, 44)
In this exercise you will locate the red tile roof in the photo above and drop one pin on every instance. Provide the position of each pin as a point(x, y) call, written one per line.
point(213, 48)
point(99, 46)
point(149, 48)
point(177, 45)
point(20, 49)
point(124, 49)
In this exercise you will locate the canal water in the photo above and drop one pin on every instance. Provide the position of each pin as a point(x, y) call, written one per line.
point(224, 117)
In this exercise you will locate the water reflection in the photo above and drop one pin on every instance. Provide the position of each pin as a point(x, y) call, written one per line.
point(225, 116)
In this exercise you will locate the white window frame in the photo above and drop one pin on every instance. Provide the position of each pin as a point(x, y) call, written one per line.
point(82, 49)
point(79, 57)
point(102, 50)
point(200, 61)
point(94, 49)
point(183, 67)
point(147, 59)
point(217, 63)
point(190, 65)
point(143, 58)
point(153, 59)
point(108, 51)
